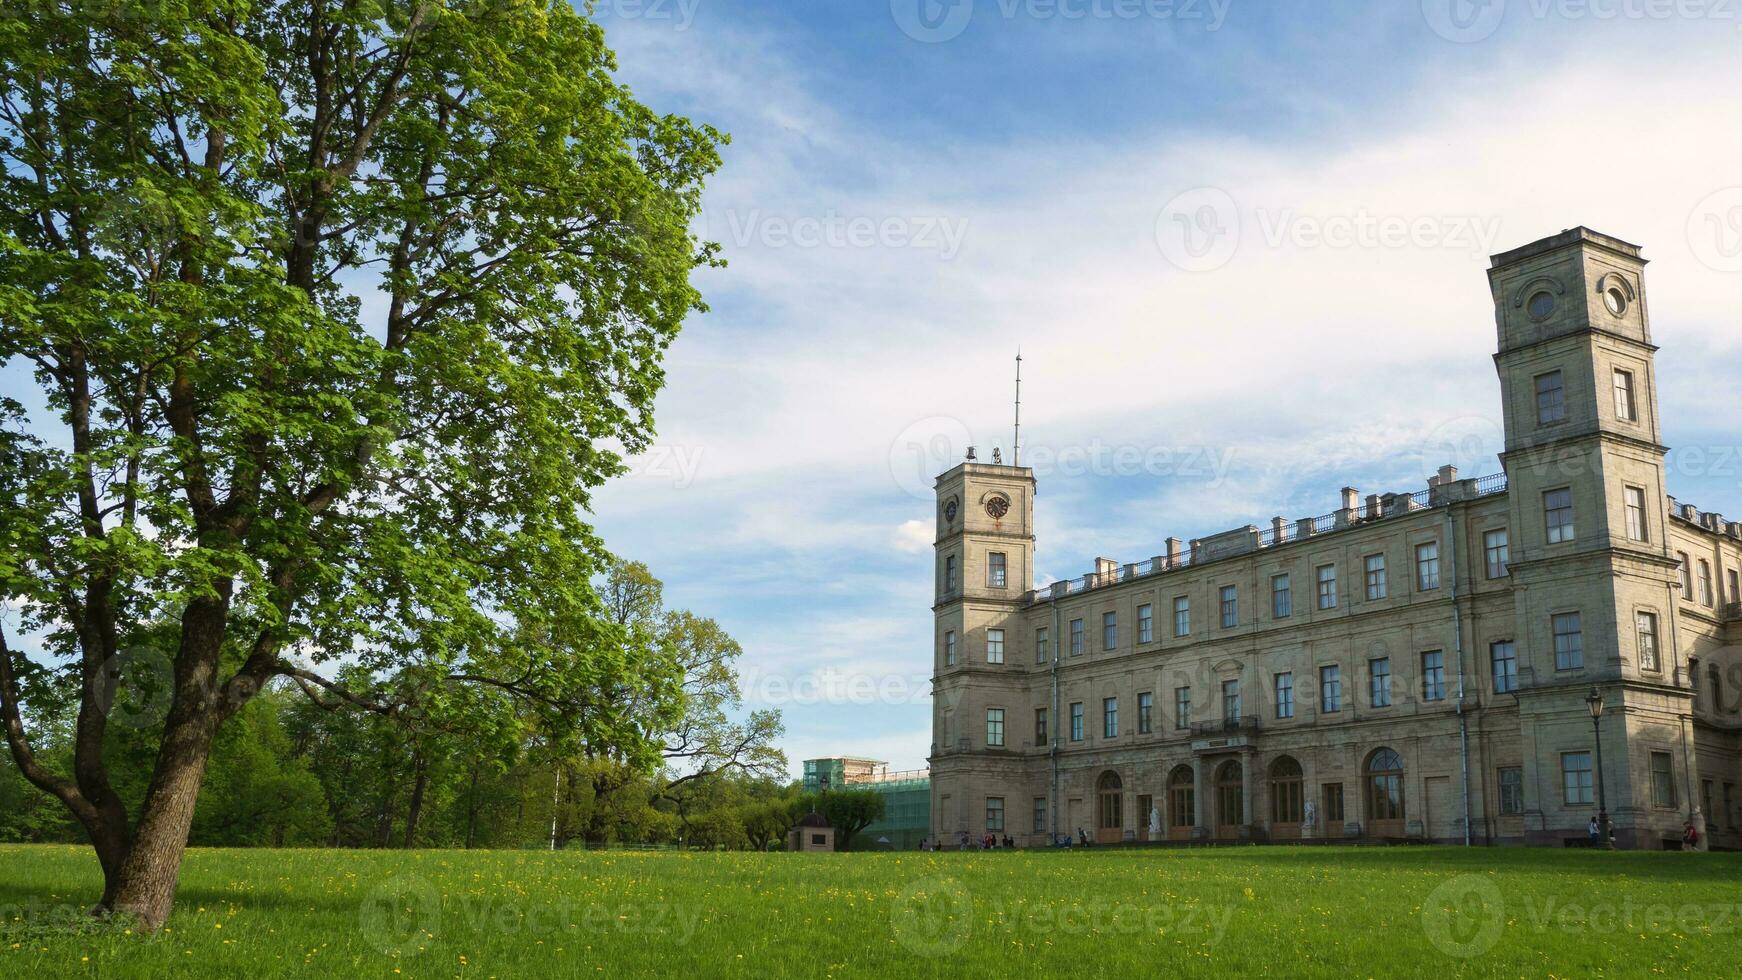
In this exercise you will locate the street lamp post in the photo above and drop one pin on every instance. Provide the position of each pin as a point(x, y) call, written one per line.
point(1594, 701)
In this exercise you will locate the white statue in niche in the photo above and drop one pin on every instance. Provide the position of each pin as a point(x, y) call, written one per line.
point(1310, 815)
point(1154, 821)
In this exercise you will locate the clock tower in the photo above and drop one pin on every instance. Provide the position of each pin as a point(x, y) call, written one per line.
point(984, 573)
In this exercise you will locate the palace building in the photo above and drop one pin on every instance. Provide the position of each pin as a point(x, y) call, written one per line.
point(1493, 660)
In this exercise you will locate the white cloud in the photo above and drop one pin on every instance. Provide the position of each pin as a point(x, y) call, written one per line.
point(913, 535)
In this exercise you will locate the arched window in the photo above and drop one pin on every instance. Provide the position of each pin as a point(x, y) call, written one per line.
point(1230, 794)
point(1182, 798)
point(1384, 786)
point(1112, 800)
point(1285, 790)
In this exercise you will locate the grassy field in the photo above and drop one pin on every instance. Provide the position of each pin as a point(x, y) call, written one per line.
point(1293, 911)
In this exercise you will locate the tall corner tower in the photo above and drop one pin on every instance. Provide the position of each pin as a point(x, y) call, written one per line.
point(984, 573)
point(1590, 564)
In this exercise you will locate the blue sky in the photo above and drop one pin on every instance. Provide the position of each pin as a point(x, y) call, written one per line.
point(1240, 244)
point(1014, 173)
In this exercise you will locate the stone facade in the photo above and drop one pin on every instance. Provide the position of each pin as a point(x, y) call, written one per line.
point(1410, 666)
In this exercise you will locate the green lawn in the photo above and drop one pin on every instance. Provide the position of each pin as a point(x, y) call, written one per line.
point(1107, 912)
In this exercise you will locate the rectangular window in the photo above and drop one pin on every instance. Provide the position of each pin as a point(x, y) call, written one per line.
point(1427, 566)
point(1576, 778)
point(949, 573)
point(1636, 514)
point(949, 648)
point(1505, 659)
point(1648, 658)
point(1230, 607)
point(1327, 586)
point(1730, 805)
point(1331, 688)
point(1433, 675)
point(1040, 735)
point(1333, 794)
point(1716, 683)
point(1551, 400)
point(994, 646)
point(1040, 646)
point(995, 576)
point(1182, 707)
point(1182, 616)
point(1569, 642)
point(1109, 631)
point(995, 727)
point(1734, 595)
point(1375, 577)
point(1284, 685)
point(994, 814)
point(1230, 700)
point(1494, 545)
point(1281, 597)
point(1076, 637)
point(1076, 721)
point(1511, 791)
point(1683, 572)
point(1557, 515)
point(1109, 717)
point(1662, 780)
point(1145, 713)
point(1145, 623)
point(1379, 682)
point(1625, 407)
point(1706, 583)
point(1040, 814)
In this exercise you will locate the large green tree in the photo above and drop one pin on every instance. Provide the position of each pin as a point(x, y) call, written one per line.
point(336, 307)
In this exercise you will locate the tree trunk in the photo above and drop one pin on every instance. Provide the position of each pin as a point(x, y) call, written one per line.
point(416, 806)
point(144, 885)
point(472, 809)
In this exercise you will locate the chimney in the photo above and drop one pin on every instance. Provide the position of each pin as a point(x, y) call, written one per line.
point(1278, 530)
point(1448, 475)
point(1106, 571)
point(1173, 552)
point(1351, 498)
point(1373, 509)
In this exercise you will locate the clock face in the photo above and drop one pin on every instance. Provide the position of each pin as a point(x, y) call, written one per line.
point(1615, 300)
point(997, 507)
point(950, 510)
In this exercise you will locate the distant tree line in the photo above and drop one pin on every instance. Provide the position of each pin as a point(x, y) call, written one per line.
point(294, 771)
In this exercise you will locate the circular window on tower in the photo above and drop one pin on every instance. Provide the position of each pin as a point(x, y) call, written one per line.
point(1540, 305)
point(1615, 300)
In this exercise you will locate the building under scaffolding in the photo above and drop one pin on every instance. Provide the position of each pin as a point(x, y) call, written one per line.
point(906, 798)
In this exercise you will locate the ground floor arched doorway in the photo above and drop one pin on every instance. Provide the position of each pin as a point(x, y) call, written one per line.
point(1110, 809)
point(1230, 798)
point(1182, 803)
